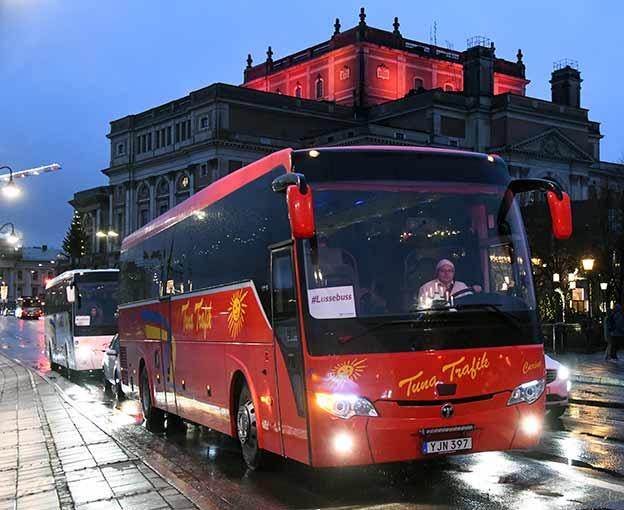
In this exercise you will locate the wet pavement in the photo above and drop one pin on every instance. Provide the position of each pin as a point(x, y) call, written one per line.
point(579, 464)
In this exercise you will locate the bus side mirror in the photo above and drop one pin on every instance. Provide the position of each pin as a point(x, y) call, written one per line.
point(300, 212)
point(560, 214)
point(71, 293)
point(300, 205)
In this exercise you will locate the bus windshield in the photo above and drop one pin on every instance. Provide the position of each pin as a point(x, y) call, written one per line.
point(399, 266)
point(95, 309)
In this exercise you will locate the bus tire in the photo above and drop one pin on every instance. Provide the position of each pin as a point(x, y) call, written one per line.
point(247, 430)
point(154, 417)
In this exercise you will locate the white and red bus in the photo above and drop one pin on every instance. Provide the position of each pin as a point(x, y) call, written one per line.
point(290, 305)
point(80, 317)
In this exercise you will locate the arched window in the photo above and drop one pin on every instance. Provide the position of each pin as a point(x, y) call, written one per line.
point(320, 87)
point(298, 90)
point(162, 195)
point(143, 209)
point(419, 83)
point(448, 87)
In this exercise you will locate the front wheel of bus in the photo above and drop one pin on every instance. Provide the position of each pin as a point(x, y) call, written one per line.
point(154, 418)
point(247, 430)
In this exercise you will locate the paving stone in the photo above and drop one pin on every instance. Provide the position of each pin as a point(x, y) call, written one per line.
point(100, 505)
point(43, 501)
point(148, 501)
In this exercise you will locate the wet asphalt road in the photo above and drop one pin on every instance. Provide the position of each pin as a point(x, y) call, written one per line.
point(579, 463)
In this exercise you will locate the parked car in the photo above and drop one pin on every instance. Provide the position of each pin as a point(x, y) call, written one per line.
point(111, 369)
point(557, 387)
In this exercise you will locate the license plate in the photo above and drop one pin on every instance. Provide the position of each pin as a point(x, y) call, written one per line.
point(447, 445)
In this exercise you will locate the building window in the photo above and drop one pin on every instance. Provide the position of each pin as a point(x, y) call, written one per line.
point(298, 90)
point(448, 87)
point(188, 128)
point(383, 73)
point(399, 136)
point(168, 135)
point(121, 149)
point(143, 216)
point(177, 132)
point(20, 275)
point(203, 170)
point(35, 275)
point(419, 84)
point(149, 141)
point(163, 208)
point(320, 88)
point(35, 291)
point(203, 123)
point(50, 275)
point(345, 73)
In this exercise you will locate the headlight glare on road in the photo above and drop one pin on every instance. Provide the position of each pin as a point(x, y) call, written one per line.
point(563, 373)
point(531, 425)
point(345, 406)
point(528, 392)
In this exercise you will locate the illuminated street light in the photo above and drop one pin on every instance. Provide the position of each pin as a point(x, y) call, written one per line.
point(10, 189)
point(12, 238)
point(556, 277)
point(603, 286)
point(588, 263)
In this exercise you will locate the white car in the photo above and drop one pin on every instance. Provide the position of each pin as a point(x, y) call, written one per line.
point(111, 369)
point(557, 387)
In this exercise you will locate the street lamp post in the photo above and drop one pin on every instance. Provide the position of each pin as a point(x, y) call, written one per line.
point(12, 238)
point(108, 234)
point(603, 288)
point(588, 265)
point(10, 189)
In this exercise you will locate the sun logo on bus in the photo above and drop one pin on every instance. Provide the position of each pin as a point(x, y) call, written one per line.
point(344, 371)
point(236, 312)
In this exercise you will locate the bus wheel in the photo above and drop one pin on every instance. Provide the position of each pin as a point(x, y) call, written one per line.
point(154, 418)
point(247, 430)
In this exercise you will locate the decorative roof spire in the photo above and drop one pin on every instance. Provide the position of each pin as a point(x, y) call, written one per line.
point(269, 56)
point(362, 17)
point(519, 56)
point(249, 60)
point(337, 27)
point(396, 26)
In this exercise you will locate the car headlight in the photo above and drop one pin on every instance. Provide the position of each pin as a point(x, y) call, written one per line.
point(563, 373)
point(345, 406)
point(528, 392)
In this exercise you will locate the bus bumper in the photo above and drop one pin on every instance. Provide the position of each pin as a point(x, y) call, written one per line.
point(399, 433)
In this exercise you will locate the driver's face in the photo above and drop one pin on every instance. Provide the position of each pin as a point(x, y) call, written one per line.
point(446, 274)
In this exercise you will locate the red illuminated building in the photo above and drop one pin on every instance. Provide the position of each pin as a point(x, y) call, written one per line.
point(365, 66)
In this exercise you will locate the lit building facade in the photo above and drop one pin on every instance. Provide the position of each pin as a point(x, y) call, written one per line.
point(362, 86)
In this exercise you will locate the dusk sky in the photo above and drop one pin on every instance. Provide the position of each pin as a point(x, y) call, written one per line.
point(69, 67)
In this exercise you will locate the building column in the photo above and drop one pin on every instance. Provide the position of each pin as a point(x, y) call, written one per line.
point(127, 209)
point(98, 226)
point(152, 198)
point(172, 182)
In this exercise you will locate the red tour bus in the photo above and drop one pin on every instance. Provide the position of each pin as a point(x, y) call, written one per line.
point(294, 305)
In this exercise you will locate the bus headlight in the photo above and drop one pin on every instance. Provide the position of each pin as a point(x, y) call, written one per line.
point(83, 351)
point(528, 392)
point(345, 406)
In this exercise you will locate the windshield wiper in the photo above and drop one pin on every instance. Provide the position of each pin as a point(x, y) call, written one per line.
point(506, 316)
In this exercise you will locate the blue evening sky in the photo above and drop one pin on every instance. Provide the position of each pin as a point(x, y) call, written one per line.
point(69, 67)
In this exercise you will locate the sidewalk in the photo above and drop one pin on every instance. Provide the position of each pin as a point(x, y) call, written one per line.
point(592, 368)
point(51, 457)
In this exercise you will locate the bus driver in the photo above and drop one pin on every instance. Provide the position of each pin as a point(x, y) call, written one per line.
point(443, 286)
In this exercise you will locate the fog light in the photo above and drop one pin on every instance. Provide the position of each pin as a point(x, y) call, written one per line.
point(531, 425)
point(343, 443)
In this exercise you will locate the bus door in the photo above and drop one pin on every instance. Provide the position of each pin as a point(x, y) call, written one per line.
point(289, 355)
point(167, 356)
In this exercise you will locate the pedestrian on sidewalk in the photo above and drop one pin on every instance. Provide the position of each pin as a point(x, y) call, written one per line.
point(614, 332)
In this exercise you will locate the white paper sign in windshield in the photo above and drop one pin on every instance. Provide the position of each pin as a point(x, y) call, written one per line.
point(83, 320)
point(332, 302)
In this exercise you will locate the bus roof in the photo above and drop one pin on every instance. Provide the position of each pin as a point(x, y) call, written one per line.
point(392, 148)
point(67, 275)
